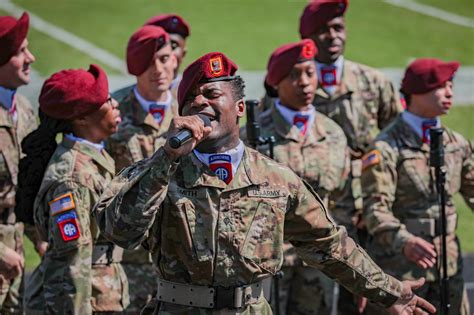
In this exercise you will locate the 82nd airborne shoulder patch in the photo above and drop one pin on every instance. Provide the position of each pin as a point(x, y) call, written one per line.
point(68, 226)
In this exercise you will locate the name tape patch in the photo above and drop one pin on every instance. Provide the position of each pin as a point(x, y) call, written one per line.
point(62, 203)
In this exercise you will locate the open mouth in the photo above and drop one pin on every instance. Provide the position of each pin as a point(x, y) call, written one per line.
point(208, 115)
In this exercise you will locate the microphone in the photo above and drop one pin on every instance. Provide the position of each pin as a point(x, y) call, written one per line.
point(184, 135)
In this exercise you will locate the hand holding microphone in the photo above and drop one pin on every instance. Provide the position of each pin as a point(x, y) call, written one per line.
point(185, 133)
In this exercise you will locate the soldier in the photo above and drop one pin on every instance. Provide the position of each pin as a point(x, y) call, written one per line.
point(213, 212)
point(401, 207)
point(80, 272)
point(315, 148)
point(16, 121)
point(178, 30)
point(358, 98)
point(146, 115)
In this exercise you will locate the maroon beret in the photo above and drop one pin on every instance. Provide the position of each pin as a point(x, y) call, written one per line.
point(426, 74)
point(12, 33)
point(172, 23)
point(71, 94)
point(318, 12)
point(285, 57)
point(211, 67)
point(142, 47)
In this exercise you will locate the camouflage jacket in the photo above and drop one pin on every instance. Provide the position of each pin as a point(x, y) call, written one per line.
point(139, 135)
point(66, 281)
point(365, 103)
point(11, 135)
point(400, 197)
point(202, 231)
point(321, 158)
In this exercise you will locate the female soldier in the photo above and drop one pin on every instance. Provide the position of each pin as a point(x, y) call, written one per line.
point(315, 148)
point(80, 271)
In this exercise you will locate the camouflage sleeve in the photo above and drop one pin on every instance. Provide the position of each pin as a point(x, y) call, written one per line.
point(67, 263)
point(389, 103)
point(126, 210)
point(2, 250)
point(379, 181)
point(467, 176)
point(119, 151)
point(322, 244)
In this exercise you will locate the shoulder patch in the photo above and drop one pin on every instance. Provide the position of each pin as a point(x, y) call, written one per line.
point(372, 158)
point(62, 203)
point(68, 226)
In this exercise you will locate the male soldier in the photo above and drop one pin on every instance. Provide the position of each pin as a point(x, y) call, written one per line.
point(213, 212)
point(360, 99)
point(315, 148)
point(16, 121)
point(401, 207)
point(178, 30)
point(146, 115)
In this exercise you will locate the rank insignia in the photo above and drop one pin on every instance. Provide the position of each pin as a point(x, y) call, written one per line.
point(215, 65)
point(371, 158)
point(68, 226)
point(62, 203)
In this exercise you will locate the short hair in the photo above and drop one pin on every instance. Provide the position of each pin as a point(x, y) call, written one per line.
point(238, 88)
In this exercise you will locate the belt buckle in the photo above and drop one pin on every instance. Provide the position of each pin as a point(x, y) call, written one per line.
point(224, 297)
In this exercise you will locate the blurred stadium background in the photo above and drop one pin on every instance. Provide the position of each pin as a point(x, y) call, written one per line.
point(385, 34)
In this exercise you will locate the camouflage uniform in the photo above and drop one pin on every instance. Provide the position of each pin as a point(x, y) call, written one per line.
point(80, 272)
point(11, 232)
point(400, 201)
point(322, 159)
point(363, 104)
point(138, 137)
point(201, 231)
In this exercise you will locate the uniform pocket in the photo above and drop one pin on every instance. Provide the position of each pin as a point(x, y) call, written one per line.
point(414, 173)
point(176, 231)
point(264, 240)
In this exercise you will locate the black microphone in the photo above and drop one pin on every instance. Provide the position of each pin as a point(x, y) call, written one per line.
point(436, 147)
point(184, 135)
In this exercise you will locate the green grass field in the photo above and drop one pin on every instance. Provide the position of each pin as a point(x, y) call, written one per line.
point(379, 34)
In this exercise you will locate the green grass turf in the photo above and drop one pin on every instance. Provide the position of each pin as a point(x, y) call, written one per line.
point(52, 55)
point(379, 34)
point(460, 7)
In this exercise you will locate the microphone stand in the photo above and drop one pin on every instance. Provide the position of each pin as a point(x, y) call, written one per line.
point(437, 161)
point(255, 140)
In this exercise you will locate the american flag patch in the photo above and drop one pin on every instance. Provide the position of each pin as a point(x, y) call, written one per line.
point(371, 158)
point(62, 203)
